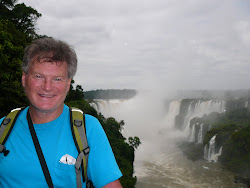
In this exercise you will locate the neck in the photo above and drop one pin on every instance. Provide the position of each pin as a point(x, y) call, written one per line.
point(39, 117)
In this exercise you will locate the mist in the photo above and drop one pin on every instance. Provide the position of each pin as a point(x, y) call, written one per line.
point(162, 120)
point(146, 115)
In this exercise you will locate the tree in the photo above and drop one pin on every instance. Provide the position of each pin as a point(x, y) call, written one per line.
point(17, 29)
point(11, 90)
point(134, 142)
point(25, 18)
point(5, 8)
point(75, 94)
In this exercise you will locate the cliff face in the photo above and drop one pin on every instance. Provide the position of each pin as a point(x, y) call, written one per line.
point(192, 108)
point(225, 137)
point(217, 130)
point(236, 152)
point(212, 127)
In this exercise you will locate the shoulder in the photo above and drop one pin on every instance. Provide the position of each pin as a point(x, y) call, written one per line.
point(21, 115)
point(92, 124)
point(91, 119)
point(94, 130)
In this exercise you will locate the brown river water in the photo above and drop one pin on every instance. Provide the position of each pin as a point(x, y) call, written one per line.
point(175, 170)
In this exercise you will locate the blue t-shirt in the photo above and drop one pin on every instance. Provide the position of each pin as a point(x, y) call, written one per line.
point(21, 167)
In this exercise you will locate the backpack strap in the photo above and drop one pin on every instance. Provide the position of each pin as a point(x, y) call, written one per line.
point(6, 127)
point(79, 135)
point(80, 139)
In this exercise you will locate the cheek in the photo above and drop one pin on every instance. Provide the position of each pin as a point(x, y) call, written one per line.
point(67, 86)
point(31, 86)
point(63, 89)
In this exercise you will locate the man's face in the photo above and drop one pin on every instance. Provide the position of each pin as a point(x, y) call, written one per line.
point(46, 85)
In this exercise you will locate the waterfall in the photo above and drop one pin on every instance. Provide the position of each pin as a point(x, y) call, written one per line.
point(209, 151)
point(198, 108)
point(200, 136)
point(174, 110)
point(206, 152)
point(201, 108)
point(94, 105)
point(108, 108)
point(211, 148)
point(206, 107)
point(180, 113)
point(246, 105)
point(192, 133)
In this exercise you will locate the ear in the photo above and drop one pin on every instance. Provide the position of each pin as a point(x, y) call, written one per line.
point(23, 79)
point(68, 84)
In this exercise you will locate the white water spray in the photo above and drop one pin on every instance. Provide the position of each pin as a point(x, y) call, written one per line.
point(209, 151)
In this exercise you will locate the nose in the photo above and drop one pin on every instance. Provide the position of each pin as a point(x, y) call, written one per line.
point(47, 85)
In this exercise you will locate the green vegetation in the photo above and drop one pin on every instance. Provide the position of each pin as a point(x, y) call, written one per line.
point(134, 142)
point(233, 133)
point(238, 148)
point(226, 124)
point(17, 29)
point(235, 136)
point(110, 94)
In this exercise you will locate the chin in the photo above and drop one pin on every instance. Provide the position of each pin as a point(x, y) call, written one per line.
point(46, 108)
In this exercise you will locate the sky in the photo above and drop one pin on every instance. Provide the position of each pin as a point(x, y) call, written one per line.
point(153, 44)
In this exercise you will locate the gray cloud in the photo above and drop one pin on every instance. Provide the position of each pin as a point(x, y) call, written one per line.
point(146, 43)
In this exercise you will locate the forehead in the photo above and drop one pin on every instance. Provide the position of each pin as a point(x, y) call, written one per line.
point(45, 65)
point(47, 61)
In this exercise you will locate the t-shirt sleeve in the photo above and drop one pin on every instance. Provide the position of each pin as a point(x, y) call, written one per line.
point(102, 166)
point(1, 120)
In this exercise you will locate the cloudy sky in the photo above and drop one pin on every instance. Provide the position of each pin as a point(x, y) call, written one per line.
point(150, 44)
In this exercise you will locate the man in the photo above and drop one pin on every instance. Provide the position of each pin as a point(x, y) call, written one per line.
point(48, 68)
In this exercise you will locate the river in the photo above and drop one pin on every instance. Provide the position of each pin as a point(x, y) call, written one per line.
point(158, 162)
point(175, 170)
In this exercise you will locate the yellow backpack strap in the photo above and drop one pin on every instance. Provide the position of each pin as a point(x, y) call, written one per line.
point(6, 127)
point(80, 139)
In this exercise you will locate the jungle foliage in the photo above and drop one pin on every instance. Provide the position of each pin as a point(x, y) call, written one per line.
point(110, 94)
point(17, 29)
point(232, 130)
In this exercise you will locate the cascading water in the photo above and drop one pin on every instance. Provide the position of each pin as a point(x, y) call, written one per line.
point(246, 105)
point(201, 108)
point(200, 134)
point(158, 162)
point(174, 110)
point(192, 133)
point(107, 107)
point(209, 151)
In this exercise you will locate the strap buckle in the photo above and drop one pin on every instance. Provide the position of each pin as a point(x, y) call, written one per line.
point(4, 150)
point(86, 151)
point(78, 122)
point(89, 184)
point(6, 121)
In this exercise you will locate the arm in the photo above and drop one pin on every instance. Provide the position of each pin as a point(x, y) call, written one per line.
point(101, 158)
point(114, 184)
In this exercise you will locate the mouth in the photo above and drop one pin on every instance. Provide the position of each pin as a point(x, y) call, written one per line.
point(46, 95)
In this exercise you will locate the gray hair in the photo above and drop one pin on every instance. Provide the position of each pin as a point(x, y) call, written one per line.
point(53, 51)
